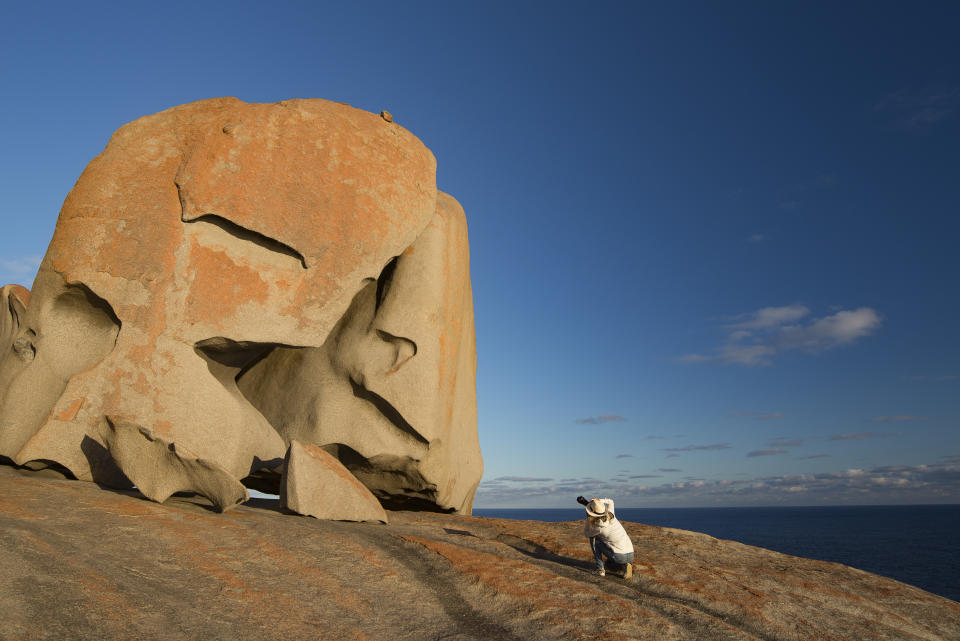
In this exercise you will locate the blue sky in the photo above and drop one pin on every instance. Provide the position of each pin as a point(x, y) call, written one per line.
point(713, 245)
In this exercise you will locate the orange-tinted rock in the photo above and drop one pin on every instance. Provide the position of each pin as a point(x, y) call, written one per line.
point(86, 564)
point(393, 387)
point(316, 484)
point(201, 239)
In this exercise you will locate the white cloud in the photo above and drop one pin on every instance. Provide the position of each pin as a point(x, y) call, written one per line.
point(937, 482)
point(784, 442)
point(756, 338)
point(770, 452)
point(771, 317)
point(830, 331)
point(922, 109)
point(692, 448)
point(859, 436)
point(603, 418)
point(21, 265)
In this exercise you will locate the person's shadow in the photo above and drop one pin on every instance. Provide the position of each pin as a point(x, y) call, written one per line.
point(537, 551)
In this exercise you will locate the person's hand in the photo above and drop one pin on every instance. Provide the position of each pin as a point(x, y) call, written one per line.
point(582, 501)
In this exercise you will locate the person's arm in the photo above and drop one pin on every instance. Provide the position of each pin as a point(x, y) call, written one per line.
point(588, 531)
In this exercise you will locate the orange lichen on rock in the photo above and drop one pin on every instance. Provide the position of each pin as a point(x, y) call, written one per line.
point(69, 412)
point(209, 236)
point(80, 562)
point(219, 287)
point(582, 612)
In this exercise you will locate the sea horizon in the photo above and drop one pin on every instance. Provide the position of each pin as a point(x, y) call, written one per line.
point(722, 507)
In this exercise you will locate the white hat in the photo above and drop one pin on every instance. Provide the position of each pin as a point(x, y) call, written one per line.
point(596, 507)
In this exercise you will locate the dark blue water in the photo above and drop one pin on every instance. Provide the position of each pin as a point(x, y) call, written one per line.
point(916, 544)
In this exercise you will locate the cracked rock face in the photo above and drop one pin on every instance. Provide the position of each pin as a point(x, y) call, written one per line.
point(231, 276)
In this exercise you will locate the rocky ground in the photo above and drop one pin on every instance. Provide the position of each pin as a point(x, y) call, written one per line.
point(84, 563)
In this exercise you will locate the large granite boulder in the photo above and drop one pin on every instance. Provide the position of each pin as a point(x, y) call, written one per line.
point(212, 243)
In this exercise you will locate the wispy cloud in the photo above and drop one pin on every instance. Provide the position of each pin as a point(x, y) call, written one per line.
point(760, 416)
point(756, 239)
point(624, 456)
point(785, 442)
point(668, 469)
point(693, 448)
point(523, 479)
point(754, 339)
point(920, 110)
point(770, 452)
point(21, 265)
point(769, 317)
point(646, 476)
point(603, 418)
point(895, 419)
point(937, 482)
point(694, 358)
point(813, 456)
point(861, 436)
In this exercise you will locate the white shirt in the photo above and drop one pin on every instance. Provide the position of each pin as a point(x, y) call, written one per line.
point(610, 532)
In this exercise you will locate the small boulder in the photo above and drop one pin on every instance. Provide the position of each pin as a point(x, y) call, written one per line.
point(159, 468)
point(13, 306)
point(317, 484)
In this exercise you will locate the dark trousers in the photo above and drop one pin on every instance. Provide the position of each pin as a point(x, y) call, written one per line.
point(601, 549)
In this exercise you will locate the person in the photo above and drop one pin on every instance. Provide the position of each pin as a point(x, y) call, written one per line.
point(607, 536)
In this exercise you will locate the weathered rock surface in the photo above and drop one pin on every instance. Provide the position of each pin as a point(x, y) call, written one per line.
point(80, 563)
point(159, 468)
point(209, 236)
point(13, 305)
point(392, 390)
point(317, 484)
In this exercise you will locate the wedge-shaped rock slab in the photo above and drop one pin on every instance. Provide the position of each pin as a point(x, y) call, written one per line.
point(159, 468)
point(13, 305)
point(317, 484)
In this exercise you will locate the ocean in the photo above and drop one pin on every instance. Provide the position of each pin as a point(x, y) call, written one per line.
point(915, 544)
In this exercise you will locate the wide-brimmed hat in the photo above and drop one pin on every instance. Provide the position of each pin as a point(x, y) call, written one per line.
point(596, 507)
